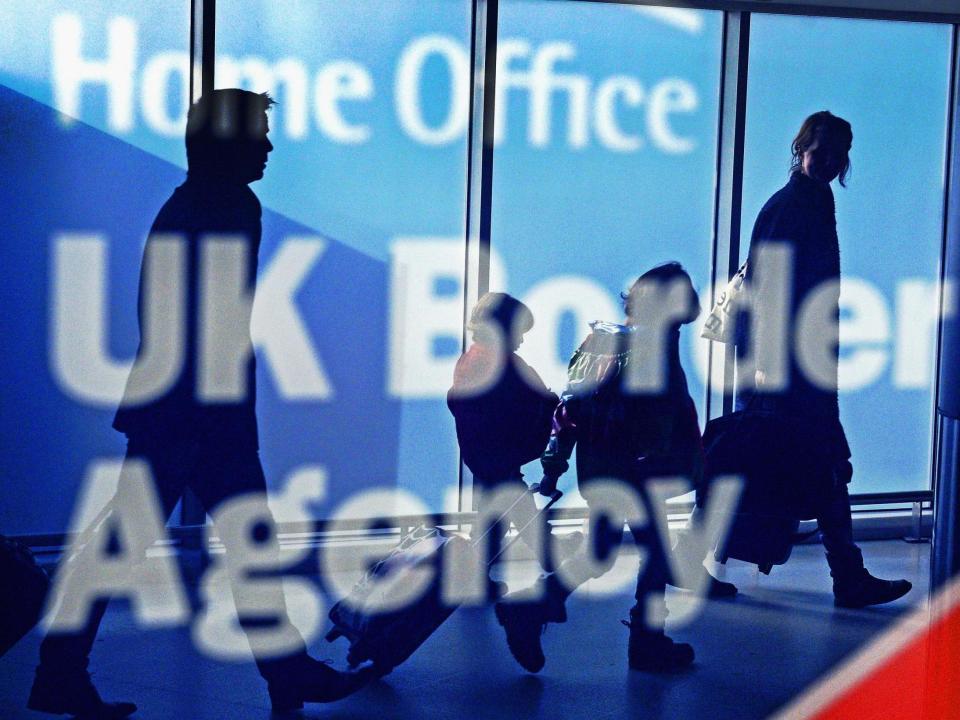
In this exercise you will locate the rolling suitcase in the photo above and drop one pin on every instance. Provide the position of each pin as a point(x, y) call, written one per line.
point(765, 526)
point(388, 638)
point(763, 540)
point(25, 590)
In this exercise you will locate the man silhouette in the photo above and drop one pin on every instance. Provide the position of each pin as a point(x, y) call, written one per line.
point(200, 430)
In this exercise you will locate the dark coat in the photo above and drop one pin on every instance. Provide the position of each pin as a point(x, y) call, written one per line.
point(800, 215)
point(507, 423)
point(620, 433)
point(200, 207)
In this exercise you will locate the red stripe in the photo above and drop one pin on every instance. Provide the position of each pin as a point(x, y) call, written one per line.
point(920, 682)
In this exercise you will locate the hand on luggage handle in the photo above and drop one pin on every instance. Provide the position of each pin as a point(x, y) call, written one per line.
point(554, 496)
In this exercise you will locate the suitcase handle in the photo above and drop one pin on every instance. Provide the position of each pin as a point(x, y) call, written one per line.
point(535, 488)
point(557, 494)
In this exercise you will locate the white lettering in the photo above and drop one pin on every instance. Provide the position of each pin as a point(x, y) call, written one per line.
point(670, 96)
point(93, 572)
point(864, 325)
point(81, 360)
point(277, 326)
point(408, 92)
point(543, 82)
point(226, 299)
point(418, 315)
point(605, 113)
point(71, 70)
point(156, 79)
point(256, 74)
point(394, 590)
point(237, 587)
point(341, 80)
point(549, 301)
point(917, 313)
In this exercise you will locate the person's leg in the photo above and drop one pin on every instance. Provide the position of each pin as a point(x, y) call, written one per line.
point(510, 497)
point(688, 552)
point(853, 586)
point(62, 683)
point(649, 648)
point(836, 528)
point(293, 677)
point(550, 551)
point(524, 622)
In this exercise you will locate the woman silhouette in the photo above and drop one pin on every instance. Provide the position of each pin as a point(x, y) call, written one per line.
point(798, 223)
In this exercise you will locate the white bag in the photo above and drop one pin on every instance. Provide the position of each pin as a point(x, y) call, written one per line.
point(719, 325)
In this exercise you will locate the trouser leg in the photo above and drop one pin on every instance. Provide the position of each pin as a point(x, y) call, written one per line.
point(68, 652)
point(649, 609)
point(224, 474)
point(593, 559)
point(836, 527)
point(524, 518)
point(511, 498)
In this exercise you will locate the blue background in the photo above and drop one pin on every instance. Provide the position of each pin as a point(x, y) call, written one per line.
point(591, 214)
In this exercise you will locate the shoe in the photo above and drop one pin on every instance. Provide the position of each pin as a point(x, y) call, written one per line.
point(496, 589)
point(685, 553)
point(654, 652)
point(73, 694)
point(864, 589)
point(716, 589)
point(524, 623)
point(314, 681)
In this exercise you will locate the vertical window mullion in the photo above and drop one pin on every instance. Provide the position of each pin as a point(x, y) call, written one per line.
point(945, 552)
point(729, 194)
point(483, 71)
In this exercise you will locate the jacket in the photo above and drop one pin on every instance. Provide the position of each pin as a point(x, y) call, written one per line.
point(619, 432)
point(502, 414)
point(801, 216)
point(199, 208)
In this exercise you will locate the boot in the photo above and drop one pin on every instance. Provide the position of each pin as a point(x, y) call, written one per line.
point(652, 651)
point(524, 622)
point(308, 681)
point(716, 589)
point(860, 589)
point(73, 693)
point(686, 555)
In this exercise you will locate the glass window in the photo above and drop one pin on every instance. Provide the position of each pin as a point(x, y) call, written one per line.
point(370, 135)
point(890, 81)
point(93, 98)
point(604, 166)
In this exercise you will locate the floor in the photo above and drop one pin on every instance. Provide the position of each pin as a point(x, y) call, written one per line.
point(753, 655)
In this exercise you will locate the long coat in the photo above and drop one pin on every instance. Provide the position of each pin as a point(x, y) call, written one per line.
point(801, 217)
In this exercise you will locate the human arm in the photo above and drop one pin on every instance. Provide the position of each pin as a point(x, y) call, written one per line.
point(555, 460)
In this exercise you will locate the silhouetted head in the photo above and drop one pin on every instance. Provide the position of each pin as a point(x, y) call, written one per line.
point(650, 293)
point(498, 315)
point(227, 135)
point(821, 150)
